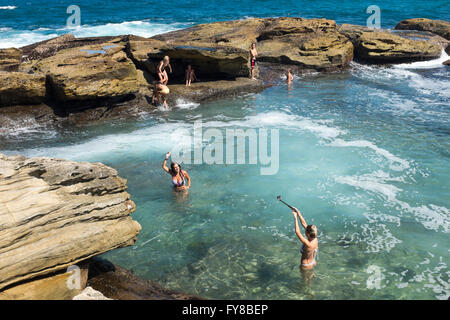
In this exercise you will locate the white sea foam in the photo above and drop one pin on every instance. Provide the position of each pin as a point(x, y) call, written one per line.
point(374, 182)
point(406, 73)
point(16, 39)
point(138, 28)
point(8, 7)
point(377, 237)
point(431, 216)
point(19, 38)
point(397, 163)
point(430, 64)
point(184, 104)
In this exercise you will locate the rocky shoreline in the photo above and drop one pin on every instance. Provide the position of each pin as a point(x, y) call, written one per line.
point(56, 214)
point(85, 80)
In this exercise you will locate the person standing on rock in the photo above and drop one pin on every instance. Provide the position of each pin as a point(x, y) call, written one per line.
point(162, 73)
point(180, 178)
point(190, 75)
point(253, 55)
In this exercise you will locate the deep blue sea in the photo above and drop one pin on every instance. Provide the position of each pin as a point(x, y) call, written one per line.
point(363, 153)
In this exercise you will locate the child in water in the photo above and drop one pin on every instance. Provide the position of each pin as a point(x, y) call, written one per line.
point(160, 92)
point(190, 75)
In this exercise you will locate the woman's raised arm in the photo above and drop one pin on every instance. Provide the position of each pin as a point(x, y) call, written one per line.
point(164, 165)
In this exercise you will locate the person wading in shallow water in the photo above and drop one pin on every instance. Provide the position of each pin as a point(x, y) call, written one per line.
point(310, 244)
point(180, 178)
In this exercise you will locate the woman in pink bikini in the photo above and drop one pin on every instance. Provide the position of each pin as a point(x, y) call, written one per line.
point(310, 244)
point(180, 178)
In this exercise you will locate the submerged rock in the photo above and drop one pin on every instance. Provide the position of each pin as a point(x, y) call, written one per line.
point(118, 283)
point(21, 88)
point(10, 59)
point(55, 213)
point(439, 27)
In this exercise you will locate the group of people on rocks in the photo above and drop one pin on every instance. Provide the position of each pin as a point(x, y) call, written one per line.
point(160, 89)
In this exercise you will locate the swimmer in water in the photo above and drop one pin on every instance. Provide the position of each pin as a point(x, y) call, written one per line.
point(162, 73)
point(190, 75)
point(289, 76)
point(180, 178)
point(310, 244)
point(253, 55)
point(160, 92)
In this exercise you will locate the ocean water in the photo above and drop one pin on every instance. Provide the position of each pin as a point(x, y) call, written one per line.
point(364, 154)
point(23, 22)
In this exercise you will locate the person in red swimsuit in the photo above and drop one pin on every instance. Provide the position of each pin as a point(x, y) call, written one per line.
point(253, 55)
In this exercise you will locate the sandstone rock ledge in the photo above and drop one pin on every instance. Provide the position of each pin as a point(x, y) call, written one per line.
point(56, 213)
point(381, 46)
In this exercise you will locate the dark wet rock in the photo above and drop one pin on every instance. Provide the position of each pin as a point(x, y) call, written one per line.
point(203, 91)
point(118, 283)
point(446, 62)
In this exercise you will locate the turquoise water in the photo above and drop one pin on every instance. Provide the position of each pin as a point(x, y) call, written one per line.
point(364, 154)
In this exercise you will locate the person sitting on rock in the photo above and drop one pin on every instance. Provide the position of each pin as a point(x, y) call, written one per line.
point(253, 55)
point(190, 75)
point(162, 73)
point(289, 76)
point(160, 92)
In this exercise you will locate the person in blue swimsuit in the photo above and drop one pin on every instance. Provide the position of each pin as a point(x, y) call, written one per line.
point(310, 244)
point(180, 178)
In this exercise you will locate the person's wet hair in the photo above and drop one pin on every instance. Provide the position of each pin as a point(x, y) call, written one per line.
point(172, 166)
point(311, 230)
